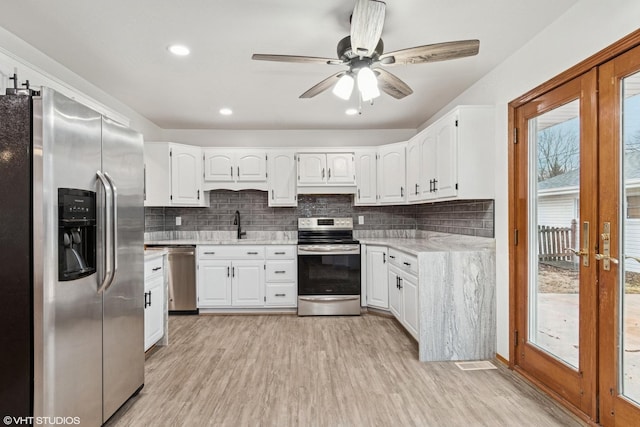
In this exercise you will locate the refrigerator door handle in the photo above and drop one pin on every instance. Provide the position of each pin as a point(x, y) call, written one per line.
point(108, 222)
point(114, 223)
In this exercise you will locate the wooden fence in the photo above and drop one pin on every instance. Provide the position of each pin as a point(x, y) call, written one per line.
point(552, 242)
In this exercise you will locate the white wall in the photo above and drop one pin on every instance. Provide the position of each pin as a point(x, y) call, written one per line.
point(17, 56)
point(588, 27)
point(287, 138)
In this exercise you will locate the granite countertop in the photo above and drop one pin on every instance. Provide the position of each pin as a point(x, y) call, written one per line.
point(434, 242)
point(153, 253)
point(178, 242)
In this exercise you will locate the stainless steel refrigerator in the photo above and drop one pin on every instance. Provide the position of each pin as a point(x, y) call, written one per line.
point(71, 260)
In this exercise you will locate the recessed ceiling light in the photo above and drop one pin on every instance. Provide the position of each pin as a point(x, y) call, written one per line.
point(179, 50)
point(226, 111)
point(351, 112)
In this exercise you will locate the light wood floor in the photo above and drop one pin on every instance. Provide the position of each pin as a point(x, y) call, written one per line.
point(320, 371)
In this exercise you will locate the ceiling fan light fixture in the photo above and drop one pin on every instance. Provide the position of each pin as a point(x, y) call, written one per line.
point(344, 88)
point(367, 84)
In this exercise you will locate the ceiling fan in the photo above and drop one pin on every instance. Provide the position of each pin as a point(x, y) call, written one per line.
point(363, 53)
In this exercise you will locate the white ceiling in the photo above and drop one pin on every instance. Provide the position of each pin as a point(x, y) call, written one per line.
point(120, 46)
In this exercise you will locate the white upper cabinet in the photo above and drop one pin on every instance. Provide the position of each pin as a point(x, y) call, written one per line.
point(186, 173)
point(282, 178)
point(366, 178)
point(392, 174)
point(318, 169)
point(312, 168)
point(173, 175)
point(340, 168)
point(218, 165)
point(413, 170)
point(456, 157)
point(234, 169)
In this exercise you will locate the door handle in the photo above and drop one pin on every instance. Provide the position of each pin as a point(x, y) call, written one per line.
point(605, 256)
point(228, 271)
point(384, 258)
point(584, 252)
point(238, 175)
point(322, 173)
point(635, 258)
point(231, 167)
point(401, 191)
point(114, 223)
point(233, 272)
point(108, 260)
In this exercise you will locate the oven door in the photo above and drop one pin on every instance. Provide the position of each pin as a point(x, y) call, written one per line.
point(328, 270)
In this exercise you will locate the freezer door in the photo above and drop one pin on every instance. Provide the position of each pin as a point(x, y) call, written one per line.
point(67, 314)
point(123, 327)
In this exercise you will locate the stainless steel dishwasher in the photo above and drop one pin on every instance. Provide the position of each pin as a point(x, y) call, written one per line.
point(182, 279)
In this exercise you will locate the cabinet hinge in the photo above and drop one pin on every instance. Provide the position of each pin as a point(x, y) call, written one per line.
point(515, 338)
point(515, 237)
point(456, 123)
point(515, 135)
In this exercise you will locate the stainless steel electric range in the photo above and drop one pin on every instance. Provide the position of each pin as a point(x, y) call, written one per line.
point(328, 267)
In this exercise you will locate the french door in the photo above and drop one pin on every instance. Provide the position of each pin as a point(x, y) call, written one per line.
point(575, 206)
point(619, 212)
point(557, 199)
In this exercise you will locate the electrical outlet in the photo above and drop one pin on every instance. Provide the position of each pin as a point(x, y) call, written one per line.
point(360, 219)
point(178, 220)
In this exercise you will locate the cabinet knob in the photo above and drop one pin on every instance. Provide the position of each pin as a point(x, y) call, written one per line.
point(280, 295)
point(280, 253)
point(252, 253)
point(280, 272)
point(157, 268)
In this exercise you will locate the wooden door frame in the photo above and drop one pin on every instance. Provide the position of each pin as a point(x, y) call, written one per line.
point(625, 44)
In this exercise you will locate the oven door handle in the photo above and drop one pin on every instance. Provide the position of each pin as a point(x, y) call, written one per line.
point(329, 299)
point(302, 250)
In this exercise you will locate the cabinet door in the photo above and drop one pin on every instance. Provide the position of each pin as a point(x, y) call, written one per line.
point(153, 311)
point(186, 174)
point(251, 165)
point(282, 179)
point(395, 303)
point(312, 168)
point(409, 295)
point(391, 174)
point(340, 168)
point(413, 170)
point(219, 165)
point(428, 165)
point(214, 284)
point(377, 277)
point(446, 157)
point(366, 178)
point(247, 287)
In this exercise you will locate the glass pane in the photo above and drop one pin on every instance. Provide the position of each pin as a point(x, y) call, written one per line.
point(630, 271)
point(554, 218)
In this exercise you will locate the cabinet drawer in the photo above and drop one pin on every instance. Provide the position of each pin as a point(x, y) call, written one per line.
point(230, 252)
point(281, 252)
point(281, 271)
point(284, 294)
point(404, 261)
point(154, 267)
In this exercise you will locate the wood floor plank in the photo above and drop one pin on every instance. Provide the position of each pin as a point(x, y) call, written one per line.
point(320, 371)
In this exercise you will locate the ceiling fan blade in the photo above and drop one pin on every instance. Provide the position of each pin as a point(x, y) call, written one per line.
point(391, 84)
point(432, 53)
point(323, 85)
point(366, 26)
point(296, 58)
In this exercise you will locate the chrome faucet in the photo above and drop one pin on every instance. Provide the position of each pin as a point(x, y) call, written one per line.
point(236, 221)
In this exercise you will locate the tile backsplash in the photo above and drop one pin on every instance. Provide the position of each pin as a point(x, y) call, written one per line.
point(469, 217)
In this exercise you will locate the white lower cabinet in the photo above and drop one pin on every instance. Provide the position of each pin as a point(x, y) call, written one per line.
point(247, 283)
point(281, 276)
point(154, 303)
point(377, 280)
point(244, 276)
point(403, 290)
point(214, 283)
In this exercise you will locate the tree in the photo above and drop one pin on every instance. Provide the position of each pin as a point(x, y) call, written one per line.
point(558, 149)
